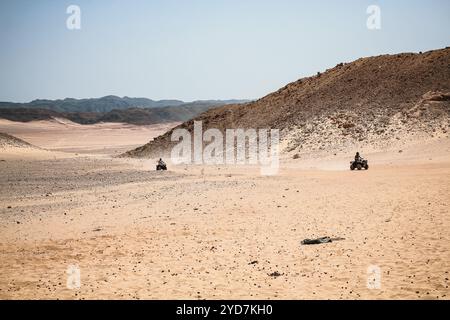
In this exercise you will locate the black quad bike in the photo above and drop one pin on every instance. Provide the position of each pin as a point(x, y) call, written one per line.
point(161, 167)
point(359, 164)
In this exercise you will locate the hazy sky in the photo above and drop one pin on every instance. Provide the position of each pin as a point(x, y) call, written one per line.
point(205, 49)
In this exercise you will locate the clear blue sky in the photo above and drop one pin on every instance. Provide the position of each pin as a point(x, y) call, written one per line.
point(204, 49)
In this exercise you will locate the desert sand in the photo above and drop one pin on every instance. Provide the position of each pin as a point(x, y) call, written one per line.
point(65, 135)
point(216, 232)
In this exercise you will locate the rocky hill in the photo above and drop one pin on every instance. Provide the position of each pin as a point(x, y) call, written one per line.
point(374, 101)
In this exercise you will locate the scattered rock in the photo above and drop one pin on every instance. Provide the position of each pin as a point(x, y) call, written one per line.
point(274, 274)
point(320, 240)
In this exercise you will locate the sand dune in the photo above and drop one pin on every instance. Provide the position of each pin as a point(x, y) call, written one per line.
point(8, 141)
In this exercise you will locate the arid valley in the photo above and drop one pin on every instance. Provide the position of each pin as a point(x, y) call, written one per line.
point(217, 232)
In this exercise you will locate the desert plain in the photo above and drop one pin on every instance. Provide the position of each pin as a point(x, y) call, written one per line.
point(217, 232)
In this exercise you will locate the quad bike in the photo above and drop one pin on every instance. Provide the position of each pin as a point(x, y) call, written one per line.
point(359, 164)
point(161, 167)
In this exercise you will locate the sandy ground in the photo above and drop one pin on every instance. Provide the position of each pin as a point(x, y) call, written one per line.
point(224, 232)
point(68, 136)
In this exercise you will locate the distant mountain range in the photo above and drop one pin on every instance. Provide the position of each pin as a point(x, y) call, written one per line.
point(108, 103)
point(139, 111)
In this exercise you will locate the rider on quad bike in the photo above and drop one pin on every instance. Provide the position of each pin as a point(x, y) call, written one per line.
point(161, 165)
point(359, 163)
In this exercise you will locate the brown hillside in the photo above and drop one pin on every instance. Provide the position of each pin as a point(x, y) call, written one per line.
point(376, 100)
